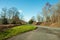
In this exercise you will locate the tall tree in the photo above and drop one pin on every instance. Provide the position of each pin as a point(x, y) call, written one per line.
point(56, 12)
point(4, 12)
point(46, 11)
point(38, 18)
point(15, 16)
point(4, 16)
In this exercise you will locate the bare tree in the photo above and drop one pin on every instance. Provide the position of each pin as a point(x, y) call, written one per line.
point(46, 11)
point(4, 16)
point(15, 15)
point(56, 13)
point(38, 17)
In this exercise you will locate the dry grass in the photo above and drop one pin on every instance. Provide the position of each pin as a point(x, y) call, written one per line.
point(55, 25)
point(51, 24)
point(45, 24)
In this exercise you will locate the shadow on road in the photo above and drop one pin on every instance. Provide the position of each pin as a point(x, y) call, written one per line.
point(49, 31)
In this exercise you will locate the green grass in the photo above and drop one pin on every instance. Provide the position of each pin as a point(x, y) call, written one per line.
point(16, 30)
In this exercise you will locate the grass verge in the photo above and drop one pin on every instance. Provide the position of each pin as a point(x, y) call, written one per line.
point(16, 30)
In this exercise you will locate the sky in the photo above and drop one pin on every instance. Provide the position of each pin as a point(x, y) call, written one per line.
point(28, 8)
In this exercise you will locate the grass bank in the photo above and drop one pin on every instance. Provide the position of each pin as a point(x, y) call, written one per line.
point(16, 30)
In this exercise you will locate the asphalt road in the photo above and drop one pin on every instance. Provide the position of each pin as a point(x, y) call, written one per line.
point(41, 33)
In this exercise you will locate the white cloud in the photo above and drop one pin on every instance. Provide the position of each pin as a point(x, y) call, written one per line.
point(0, 11)
point(20, 11)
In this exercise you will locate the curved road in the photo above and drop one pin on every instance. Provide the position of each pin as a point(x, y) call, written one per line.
point(41, 33)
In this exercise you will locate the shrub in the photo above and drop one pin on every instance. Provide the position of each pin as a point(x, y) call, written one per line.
point(4, 21)
point(31, 21)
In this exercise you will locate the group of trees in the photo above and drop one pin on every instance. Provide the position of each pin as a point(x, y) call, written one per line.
point(38, 18)
point(51, 13)
point(10, 16)
point(56, 13)
point(46, 14)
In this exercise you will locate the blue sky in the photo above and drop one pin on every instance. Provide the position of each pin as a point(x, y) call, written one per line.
point(29, 8)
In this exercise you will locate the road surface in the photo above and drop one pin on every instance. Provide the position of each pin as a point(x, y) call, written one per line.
point(41, 33)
